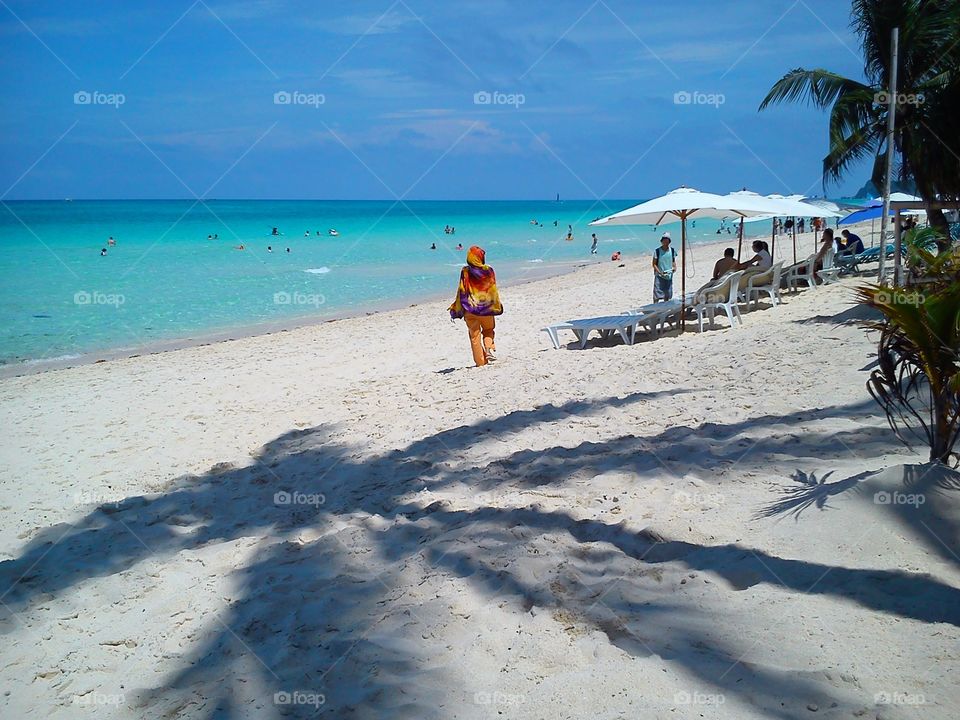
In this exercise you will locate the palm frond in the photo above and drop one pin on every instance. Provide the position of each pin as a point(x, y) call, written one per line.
point(819, 87)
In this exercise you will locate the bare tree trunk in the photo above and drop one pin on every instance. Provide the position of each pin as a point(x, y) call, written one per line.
point(939, 447)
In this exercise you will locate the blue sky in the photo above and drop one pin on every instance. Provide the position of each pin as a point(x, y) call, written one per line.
point(384, 98)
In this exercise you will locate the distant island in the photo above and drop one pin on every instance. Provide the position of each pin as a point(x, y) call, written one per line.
point(869, 190)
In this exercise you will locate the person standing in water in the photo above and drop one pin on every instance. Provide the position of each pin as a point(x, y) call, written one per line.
point(478, 303)
point(593, 245)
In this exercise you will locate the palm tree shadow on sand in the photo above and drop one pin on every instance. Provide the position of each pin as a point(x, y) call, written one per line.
point(351, 599)
point(924, 498)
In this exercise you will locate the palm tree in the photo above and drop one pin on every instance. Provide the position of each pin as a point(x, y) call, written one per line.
point(917, 380)
point(928, 97)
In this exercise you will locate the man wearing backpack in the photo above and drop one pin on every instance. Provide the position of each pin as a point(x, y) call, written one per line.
point(664, 266)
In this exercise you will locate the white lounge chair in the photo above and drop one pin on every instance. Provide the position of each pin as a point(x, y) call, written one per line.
point(622, 325)
point(830, 273)
point(728, 288)
point(801, 272)
point(766, 282)
point(655, 317)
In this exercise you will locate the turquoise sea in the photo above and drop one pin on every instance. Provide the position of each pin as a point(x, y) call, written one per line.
point(165, 281)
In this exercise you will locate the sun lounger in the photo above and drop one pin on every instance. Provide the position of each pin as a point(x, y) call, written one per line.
point(766, 282)
point(622, 325)
point(655, 317)
point(722, 295)
point(848, 263)
point(652, 318)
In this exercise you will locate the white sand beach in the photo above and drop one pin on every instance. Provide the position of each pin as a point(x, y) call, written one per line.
point(347, 521)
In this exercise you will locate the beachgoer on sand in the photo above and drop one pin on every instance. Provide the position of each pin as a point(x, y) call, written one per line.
point(478, 303)
point(826, 252)
point(664, 266)
point(725, 264)
point(616, 256)
point(852, 243)
point(759, 263)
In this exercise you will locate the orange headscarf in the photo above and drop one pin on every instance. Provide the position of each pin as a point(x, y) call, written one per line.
point(477, 293)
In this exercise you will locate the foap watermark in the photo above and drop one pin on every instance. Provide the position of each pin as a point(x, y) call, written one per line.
point(898, 498)
point(95, 297)
point(685, 97)
point(484, 97)
point(883, 98)
point(86, 97)
point(87, 497)
point(899, 698)
point(698, 698)
point(496, 697)
point(299, 298)
point(295, 97)
point(698, 499)
point(897, 297)
point(298, 498)
point(98, 699)
point(299, 697)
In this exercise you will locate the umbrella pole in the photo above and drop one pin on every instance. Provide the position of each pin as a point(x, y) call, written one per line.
point(773, 236)
point(740, 241)
point(794, 241)
point(683, 270)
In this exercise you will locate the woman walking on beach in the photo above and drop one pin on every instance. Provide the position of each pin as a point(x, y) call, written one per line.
point(478, 303)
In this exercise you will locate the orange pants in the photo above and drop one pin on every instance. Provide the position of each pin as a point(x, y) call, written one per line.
point(477, 326)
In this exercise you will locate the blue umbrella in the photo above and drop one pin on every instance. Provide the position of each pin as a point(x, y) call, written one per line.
point(871, 211)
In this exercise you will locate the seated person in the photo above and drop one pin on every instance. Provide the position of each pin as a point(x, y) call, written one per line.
point(724, 264)
point(759, 263)
point(826, 253)
point(851, 244)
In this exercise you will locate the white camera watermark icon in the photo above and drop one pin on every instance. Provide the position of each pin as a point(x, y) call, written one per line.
point(895, 297)
point(86, 97)
point(898, 498)
point(698, 698)
point(96, 297)
point(899, 698)
point(299, 697)
point(299, 298)
point(86, 497)
point(298, 498)
point(496, 97)
point(714, 499)
point(883, 98)
point(295, 97)
point(684, 97)
point(498, 698)
point(95, 698)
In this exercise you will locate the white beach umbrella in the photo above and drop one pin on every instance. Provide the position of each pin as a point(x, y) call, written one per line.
point(681, 204)
point(769, 207)
point(901, 197)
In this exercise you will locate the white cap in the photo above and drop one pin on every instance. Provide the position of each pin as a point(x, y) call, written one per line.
point(665, 235)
